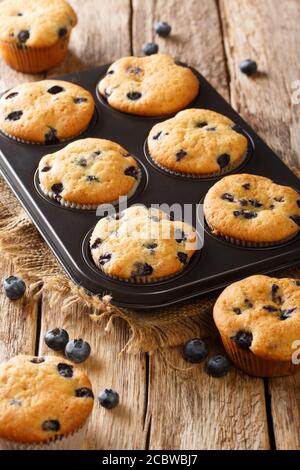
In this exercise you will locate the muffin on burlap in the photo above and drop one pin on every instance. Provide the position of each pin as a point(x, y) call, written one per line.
point(89, 172)
point(259, 322)
point(34, 35)
point(142, 245)
point(44, 403)
point(252, 210)
point(45, 112)
point(197, 142)
point(156, 85)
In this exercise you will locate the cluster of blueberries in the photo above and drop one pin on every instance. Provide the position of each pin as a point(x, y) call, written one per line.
point(196, 350)
point(163, 29)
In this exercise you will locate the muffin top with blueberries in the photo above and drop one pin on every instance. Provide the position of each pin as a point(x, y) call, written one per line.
point(252, 208)
point(149, 86)
point(261, 314)
point(141, 244)
point(89, 171)
point(197, 141)
point(42, 397)
point(35, 23)
point(45, 112)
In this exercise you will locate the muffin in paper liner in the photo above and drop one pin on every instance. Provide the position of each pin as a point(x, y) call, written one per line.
point(46, 112)
point(45, 403)
point(141, 245)
point(258, 319)
point(198, 143)
point(88, 173)
point(34, 35)
point(252, 211)
point(72, 441)
point(33, 59)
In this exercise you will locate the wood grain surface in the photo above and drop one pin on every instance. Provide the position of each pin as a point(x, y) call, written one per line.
point(162, 406)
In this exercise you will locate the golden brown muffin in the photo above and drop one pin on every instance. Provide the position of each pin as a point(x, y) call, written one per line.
point(197, 142)
point(259, 321)
point(89, 172)
point(45, 112)
point(251, 209)
point(149, 86)
point(42, 398)
point(142, 245)
point(34, 35)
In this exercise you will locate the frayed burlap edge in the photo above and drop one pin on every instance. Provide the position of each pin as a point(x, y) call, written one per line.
point(158, 328)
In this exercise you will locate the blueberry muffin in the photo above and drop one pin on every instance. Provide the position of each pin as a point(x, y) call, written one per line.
point(252, 210)
point(45, 112)
point(142, 245)
point(89, 172)
point(34, 35)
point(259, 322)
point(197, 142)
point(149, 86)
point(44, 403)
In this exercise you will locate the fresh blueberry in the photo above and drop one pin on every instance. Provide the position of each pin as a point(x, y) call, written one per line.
point(134, 95)
point(56, 339)
point(96, 243)
point(180, 155)
point(217, 366)
point(46, 168)
point(285, 314)
point(62, 32)
point(37, 360)
point(201, 124)
point(183, 257)
point(103, 259)
point(51, 136)
point(108, 398)
point(57, 188)
point(14, 287)
point(77, 350)
point(248, 66)
point(237, 310)
point(246, 186)
point(141, 269)
point(132, 171)
point(195, 350)
point(227, 197)
point(162, 28)
point(150, 48)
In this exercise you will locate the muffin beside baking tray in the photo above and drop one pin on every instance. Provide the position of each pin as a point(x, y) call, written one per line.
point(68, 230)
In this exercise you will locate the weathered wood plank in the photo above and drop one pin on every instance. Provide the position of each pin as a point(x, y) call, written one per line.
point(259, 30)
point(190, 410)
point(18, 320)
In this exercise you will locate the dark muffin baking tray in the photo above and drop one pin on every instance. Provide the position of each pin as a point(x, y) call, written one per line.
point(67, 231)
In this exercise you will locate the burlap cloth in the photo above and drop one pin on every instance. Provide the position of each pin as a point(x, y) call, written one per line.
point(150, 330)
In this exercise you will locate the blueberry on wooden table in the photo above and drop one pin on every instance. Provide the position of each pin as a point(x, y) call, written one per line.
point(14, 287)
point(57, 339)
point(162, 28)
point(108, 398)
point(77, 350)
point(248, 67)
point(195, 350)
point(150, 48)
point(217, 366)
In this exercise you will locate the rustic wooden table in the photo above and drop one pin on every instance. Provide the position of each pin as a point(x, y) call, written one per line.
point(163, 408)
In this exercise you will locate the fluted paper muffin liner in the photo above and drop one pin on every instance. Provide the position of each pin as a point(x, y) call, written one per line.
point(248, 362)
point(72, 205)
point(34, 59)
point(71, 441)
point(246, 243)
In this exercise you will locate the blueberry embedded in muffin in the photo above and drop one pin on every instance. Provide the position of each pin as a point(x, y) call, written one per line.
point(148, 86)
point(259, 319)
point(34, 35)
point(42, 399)
point(89, 172)
point(142, 245)
point(252, 210)
point(197, 142)
point(45, 112)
